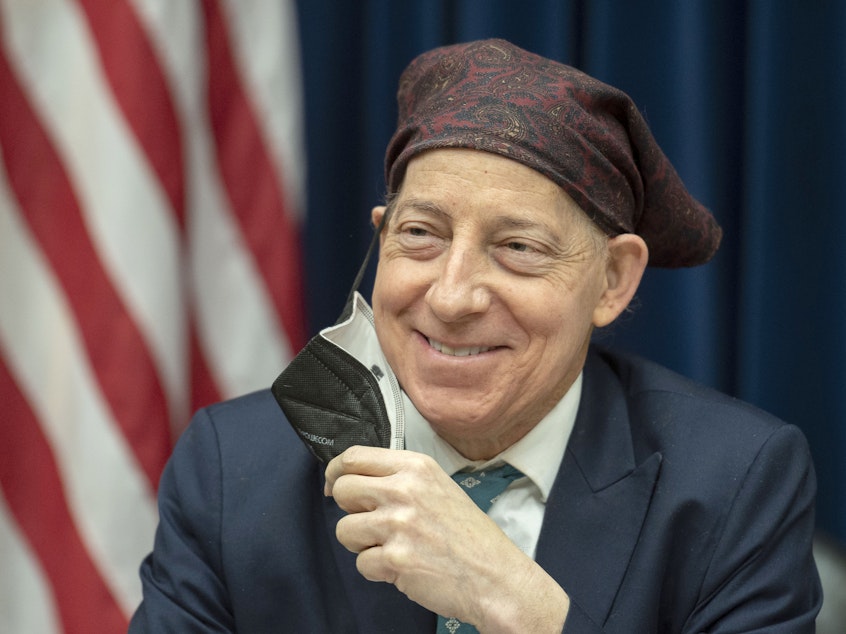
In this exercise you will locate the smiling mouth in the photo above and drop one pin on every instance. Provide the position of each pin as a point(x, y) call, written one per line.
point(458, 352)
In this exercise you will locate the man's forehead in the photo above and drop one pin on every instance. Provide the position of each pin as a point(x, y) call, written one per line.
point(443, 181)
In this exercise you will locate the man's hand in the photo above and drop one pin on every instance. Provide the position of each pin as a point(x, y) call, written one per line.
point(414, 527)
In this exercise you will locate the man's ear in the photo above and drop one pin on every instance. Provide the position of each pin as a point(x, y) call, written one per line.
point(376, 215)
point(627, 258)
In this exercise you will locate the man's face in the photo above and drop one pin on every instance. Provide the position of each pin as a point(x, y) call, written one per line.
point(485, 295)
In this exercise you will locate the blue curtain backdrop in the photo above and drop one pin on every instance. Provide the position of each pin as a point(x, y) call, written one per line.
point(749, 101)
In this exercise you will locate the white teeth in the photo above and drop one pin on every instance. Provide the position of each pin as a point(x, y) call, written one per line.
point(457, 352)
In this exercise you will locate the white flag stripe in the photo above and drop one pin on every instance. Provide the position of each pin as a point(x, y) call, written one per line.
point(175, 30)
point(108, 496)
point(269, 60)
point(246, 346)
point(127, 213)
point(28, 581)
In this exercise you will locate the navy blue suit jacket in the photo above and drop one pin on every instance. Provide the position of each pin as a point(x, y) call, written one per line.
point(675, 509)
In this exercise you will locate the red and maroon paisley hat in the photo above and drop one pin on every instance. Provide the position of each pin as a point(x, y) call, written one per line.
point(584, 135)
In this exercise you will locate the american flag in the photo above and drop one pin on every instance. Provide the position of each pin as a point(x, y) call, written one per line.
point(151, 194)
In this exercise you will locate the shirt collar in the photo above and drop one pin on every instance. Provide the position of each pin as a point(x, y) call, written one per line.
point(538, 454)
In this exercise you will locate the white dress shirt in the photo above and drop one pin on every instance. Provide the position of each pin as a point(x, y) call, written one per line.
point(519, 510)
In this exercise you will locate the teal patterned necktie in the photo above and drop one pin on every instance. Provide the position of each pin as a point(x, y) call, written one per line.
point(483, 487)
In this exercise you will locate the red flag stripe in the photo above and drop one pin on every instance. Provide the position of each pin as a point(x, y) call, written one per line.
point(140, 89)
point(33, 489)
point(254, 192)
point(118, 354)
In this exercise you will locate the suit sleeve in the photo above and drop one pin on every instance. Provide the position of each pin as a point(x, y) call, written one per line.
point(183, 584)
point(762, 575)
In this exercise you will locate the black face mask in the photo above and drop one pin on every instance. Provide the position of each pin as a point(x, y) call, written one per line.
point(339, 391)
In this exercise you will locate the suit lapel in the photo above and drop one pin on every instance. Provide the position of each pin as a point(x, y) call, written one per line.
point(597, 505)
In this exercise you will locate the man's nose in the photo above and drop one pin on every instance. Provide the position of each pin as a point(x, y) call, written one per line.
point(461, 287)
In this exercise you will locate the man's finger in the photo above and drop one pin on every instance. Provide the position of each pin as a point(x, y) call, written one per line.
point(358, 532)
point(362, 460)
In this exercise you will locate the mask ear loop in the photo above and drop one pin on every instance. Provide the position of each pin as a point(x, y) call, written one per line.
point(362, 269)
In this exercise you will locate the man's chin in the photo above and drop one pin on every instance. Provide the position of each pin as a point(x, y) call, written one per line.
point(457, 414)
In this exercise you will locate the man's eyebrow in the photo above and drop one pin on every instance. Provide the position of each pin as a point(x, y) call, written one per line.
point(514, 222)
point(499, 222)
point(525, 224)
point(420, 204)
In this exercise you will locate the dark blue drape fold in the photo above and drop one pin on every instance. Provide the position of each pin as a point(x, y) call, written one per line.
point(746, 98)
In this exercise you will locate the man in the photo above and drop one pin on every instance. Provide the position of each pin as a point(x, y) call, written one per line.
point(525, 201)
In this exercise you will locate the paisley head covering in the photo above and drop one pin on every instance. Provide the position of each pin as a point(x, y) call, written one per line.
point(584, 135)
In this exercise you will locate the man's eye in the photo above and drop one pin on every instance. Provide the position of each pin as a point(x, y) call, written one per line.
point(418, 232)
point(520, 247)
